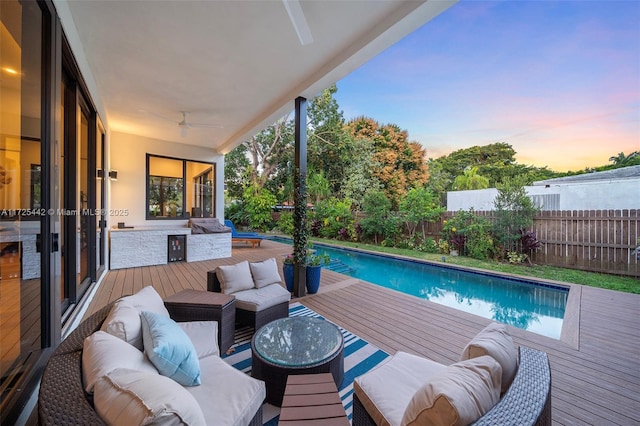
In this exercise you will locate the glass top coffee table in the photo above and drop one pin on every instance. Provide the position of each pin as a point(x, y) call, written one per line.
point(296, 345)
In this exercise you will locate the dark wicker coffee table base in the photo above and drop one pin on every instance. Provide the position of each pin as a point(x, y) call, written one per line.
point(275, 376)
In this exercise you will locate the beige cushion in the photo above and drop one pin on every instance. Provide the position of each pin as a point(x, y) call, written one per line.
point(386, 390)
point(234, 278)
point(227, 396)
point(258, 299)
point(458, 396)
point(102, 353)
point(123, 320)
point(129, 397)
point(265, 273)
point(495, 341)
point(203, 335)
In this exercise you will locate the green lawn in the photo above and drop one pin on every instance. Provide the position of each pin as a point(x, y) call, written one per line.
point(612, 282)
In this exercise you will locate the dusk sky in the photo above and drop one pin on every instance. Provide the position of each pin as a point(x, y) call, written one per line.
point(557, 80)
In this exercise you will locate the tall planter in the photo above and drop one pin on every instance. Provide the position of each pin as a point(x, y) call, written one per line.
point(313, 279)
point(287, 270)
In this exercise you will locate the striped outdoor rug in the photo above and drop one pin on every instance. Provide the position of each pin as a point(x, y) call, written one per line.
point(359, 357)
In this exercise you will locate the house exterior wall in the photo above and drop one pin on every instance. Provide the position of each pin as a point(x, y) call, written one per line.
point(128, 194)
point(601, 195)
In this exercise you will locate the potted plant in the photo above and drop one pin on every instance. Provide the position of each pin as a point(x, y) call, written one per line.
point(314, 267)
point(287, 270)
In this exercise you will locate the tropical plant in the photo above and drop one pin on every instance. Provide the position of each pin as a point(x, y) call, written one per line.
point(333, 215)
point(514, 211)
point(312, 258)
point(318, 186)
point(418, 206)
point(258, 204)
point(285, 223)
point(470, 234)
point(470, 179)
point(376, 207)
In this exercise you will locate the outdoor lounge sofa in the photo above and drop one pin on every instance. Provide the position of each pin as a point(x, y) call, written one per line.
point(257, 287)
point(93, 357)
point(494, 384)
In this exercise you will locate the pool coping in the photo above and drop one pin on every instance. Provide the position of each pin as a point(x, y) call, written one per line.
point(570, 333)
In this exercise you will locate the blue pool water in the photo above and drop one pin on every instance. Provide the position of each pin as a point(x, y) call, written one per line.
point(536, 307)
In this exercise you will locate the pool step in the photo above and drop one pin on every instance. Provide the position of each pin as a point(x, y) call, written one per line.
point(337, 265)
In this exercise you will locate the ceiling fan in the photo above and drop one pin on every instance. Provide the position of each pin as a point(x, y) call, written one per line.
point(184, 124)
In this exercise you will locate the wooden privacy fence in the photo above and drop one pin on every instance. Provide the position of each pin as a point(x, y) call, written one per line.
point(589, 240)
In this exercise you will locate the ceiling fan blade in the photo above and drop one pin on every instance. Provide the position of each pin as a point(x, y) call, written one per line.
point(206, 126)
point(183, 131)
point(294, 9)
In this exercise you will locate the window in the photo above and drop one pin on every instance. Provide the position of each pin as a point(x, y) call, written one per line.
point(179, 189)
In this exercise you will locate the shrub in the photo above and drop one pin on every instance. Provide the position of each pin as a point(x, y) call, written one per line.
point(469, 234)
point(285, 223)
point(258, 204)
point(376, 207)
point(429, 245)
point(515, 257)
point(333, 214)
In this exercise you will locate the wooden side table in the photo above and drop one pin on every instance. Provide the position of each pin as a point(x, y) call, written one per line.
point(311, 399)
point(196, 305)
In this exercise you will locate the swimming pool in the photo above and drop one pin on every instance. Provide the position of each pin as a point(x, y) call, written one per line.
point(533, 306)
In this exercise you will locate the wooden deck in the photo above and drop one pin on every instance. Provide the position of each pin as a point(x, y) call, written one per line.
point(595, 369)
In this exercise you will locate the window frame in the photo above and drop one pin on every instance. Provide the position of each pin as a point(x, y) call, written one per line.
point(186, 214)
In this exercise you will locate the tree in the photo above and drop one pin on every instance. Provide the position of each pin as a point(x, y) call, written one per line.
point(514, 213)
point(417, 206)
point(236, 163)
point(495, 161)
point(470, 180)
point(329, 147)
point(622, 160)
point(318, 186)
point(376, 207)
point(261, 161)
point(400, 164)
point(359, 179)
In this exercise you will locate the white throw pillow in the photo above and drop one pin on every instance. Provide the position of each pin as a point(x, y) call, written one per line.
point(234, 278)
point(265, 273)
point(495, 341)
point(129, 397)
point(458, 396)
point(146, 299)
point(123, 320)
point(102, 353)
point(203, 335)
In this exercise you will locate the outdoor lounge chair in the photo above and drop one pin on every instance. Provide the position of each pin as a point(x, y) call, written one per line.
point(430, 390)
point(255, 305)
point(252, 238)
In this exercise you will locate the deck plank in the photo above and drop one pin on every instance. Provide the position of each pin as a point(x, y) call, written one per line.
point(594, 381)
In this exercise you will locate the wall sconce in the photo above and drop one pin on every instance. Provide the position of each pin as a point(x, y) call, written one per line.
point(113, 174)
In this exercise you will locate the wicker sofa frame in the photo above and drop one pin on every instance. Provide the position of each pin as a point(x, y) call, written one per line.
point(244, 317)
point(62, 399)
point(526, 402)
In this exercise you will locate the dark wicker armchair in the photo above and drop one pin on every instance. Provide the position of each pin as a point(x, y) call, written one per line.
point(62, 399)
point(251, 318)
point(527, 402)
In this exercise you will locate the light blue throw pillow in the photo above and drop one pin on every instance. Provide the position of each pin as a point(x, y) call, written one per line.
point(170, 349)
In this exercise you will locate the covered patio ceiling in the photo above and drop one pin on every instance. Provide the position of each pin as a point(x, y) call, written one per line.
point(233, 65)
